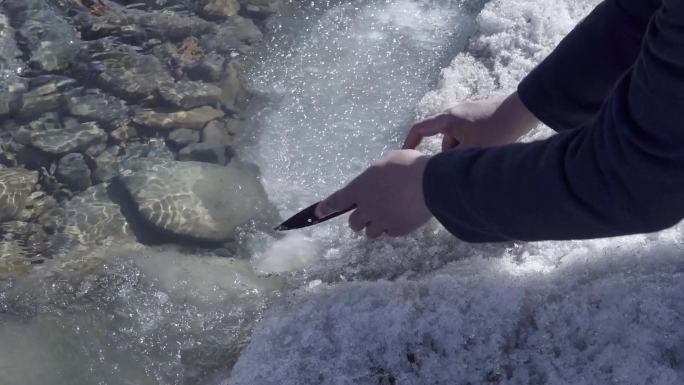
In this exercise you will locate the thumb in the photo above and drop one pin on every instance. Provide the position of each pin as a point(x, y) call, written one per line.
point(428, 127)
point(338, 201)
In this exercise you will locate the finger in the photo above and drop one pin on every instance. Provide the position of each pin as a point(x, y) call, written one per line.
point(357, 221)
point(428, 127)
point(374, 230)
point(449, 142)
point(338, 201)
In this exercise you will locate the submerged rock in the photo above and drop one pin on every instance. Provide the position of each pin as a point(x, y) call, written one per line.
point(82, 138)
point(232, 35)
point(186, 94)
point(46, 97)
point(220, 132)
point(90, 218)
point(73, 171)
point(96, 105)
point(233, 92)
point(220, 8)
point(52, 42)
point(206, 152)
point(193, 119)
point(198, 200)
point(16, 185)
point(123, 71)
point(182, 137)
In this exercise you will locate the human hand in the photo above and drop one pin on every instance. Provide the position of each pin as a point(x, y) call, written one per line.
point(388, 196)
point(486, 123)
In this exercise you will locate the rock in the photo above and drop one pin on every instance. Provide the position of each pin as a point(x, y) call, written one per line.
point(206, 152)
point(183, 57)
point(134, 23)
point(125, 72)
point(37, 204)
point(73, 171)
point(193, 119)
point(219, 132)
point(10, 62)
point(52, 42)
point(198, 200)
point(231, 35)
point(30, 237)
point(83, 138)
point(233, 95)
point(221, 8)
point(107, 166)
point(261, 8)
point(123, 130)
point(96, 105)
point(210, 68)
point(90, 218)
point(16, 185)
point(44, 98)
point(182, 137)
point(187, 94)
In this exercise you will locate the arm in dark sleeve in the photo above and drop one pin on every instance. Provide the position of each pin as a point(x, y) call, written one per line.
point(621, 173)
point(568, 88)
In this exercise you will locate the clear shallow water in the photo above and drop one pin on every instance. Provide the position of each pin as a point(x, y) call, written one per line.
point(341, 82)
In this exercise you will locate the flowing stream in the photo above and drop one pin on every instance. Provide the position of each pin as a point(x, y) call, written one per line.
point(338, 84)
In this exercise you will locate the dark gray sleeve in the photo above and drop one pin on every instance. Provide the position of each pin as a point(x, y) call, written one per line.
point(620, 173)
point(568, 88)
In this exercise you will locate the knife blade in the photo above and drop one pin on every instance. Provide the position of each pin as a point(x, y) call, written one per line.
point(307, 217)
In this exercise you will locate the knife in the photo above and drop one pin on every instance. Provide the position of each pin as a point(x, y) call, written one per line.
point(307, 217)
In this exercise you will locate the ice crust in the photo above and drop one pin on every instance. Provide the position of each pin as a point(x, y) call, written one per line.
point(430, 309)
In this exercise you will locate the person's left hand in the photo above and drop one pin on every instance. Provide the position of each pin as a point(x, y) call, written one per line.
point(388, 196)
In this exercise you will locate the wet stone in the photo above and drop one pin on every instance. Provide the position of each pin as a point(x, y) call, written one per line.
point(16, 185)
point(90, 218)
point(79, 139)
point(206, 152)
point(232, 35)
point(188, 94)
point(233, 95)
point(52, 42)
point(45, 98)
point(128, 73)
point(210, 68)
point(96, 105)
point(182, 137)
point(261, 8)
point(73, 171)
point(123, 130)
point(220, 8)
point(193, 119)
point(107, 166)
point(198, 200)
point(220, 132)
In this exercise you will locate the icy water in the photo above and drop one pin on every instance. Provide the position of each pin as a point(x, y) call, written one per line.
point(338, 84)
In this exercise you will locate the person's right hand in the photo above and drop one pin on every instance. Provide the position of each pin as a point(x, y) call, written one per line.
point(486, 123)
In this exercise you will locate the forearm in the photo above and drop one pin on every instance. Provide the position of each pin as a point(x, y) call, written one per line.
point(568, 88)
point(620, 173)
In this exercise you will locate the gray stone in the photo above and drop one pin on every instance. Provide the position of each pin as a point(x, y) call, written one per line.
point(233, 92)
point(126, 72)
point(210, 68)
point(193, 119)
point(90, 218)
point(80, 139)
point(232, 35)
point(261, 8)
point(182, 137)
point(206, 152)
point(219, 132)
point(52, 42)
point(183, 57)
point(107, 166)
point(73, 171)
point(187, 94)
point(42, 99)
point(123, 130)
point(16, 185)
point(220, 8)
point(96, 105)
point(198, 200)
point(10, 61)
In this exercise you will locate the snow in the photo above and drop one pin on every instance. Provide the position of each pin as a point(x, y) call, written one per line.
point(429, 309)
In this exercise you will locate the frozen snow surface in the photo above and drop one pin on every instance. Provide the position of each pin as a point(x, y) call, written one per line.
point(430, 309)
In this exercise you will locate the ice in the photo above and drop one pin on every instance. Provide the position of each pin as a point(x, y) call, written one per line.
point(293, 252)
point(429, 309)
